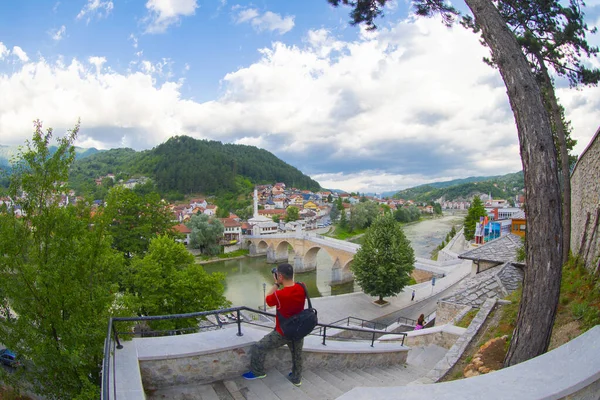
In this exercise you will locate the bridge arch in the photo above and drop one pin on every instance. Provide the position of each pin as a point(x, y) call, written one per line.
point(306, 248)
point(281, 251)
point(262, 247)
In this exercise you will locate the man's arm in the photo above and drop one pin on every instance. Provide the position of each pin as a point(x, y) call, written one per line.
point(270, 299)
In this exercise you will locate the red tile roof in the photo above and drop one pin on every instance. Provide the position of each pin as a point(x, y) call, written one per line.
point(181, 228)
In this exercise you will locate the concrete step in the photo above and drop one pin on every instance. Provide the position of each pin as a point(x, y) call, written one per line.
point(326, 389)
point(403, 375)
point(190, 392)
point(428, 357)
point(343, 385)
point(320, 383)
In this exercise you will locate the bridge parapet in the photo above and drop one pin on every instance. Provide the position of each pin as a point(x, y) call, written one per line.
point(306, 246)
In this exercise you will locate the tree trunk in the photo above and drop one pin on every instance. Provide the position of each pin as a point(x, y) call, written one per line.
point(559, 127)
point(543, 202)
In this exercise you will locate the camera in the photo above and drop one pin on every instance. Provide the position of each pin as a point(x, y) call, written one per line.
point(274, 272)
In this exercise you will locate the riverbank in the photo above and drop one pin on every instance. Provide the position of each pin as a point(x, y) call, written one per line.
point(234, 255)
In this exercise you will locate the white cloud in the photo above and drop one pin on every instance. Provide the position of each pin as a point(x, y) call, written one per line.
point(163, 13)
point(246, 15)
point(17, 51)
point(98, 62)
point(58, 34)
point(269, 21)
point(134, 40)
point(3, 51)
point(376, 113)
point(97, 8)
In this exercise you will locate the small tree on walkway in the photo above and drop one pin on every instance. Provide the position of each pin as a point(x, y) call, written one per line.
point(383, 264)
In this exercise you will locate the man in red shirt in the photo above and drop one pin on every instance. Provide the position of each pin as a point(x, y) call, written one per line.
point(289, 301)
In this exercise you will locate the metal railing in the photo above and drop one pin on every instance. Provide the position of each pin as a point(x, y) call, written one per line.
point(362, 322)
point(405, 321)
point(113, 344)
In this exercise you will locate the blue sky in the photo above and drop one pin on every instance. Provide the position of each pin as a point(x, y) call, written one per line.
point(356, 110)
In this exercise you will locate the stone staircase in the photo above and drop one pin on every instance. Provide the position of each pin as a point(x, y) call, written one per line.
point(317, 384)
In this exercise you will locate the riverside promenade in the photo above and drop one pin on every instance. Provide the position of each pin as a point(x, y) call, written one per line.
point(361, 305)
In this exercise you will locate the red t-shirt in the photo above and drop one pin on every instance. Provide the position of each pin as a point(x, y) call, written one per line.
point(289, 301)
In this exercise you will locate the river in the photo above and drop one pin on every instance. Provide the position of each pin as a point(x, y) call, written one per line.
point(245, 276)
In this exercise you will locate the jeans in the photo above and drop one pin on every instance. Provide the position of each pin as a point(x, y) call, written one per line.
point(272, 341)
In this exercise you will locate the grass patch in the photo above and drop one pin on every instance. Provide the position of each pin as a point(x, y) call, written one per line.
point(579, 296)
point(508, 318)
point(345, 234)
point(233, 254)
point(465, 321)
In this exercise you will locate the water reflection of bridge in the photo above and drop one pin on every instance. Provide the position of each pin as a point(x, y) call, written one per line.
point(305, 247)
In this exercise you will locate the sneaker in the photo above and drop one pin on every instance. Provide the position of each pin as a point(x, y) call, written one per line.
point(295, 383)
point(250, 376)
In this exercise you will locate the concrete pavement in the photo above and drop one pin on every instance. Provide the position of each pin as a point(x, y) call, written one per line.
point(360, 305)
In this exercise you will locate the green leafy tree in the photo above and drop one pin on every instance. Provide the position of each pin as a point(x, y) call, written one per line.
point(343, 218)
point(143, 189)
point(292, 214)
point(244, 212)
point(135, 219)
point(222, 212)
point(475, 211)
point(276, 218)
point(168, 281)
point(437, 208)
point(205, 234)
point(383, 264)
point(58, 275)
point(329, 198)
point(334, 214)
point(363, 215)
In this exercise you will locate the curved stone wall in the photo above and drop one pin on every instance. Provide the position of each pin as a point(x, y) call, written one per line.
point(585, 205)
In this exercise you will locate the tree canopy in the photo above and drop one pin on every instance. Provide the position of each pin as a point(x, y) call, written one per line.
point(168, 281)
point(205, 234)
point(363, 214)
point(186, 165)
point(476, 210)
point(292, 214)
point(134, 219)
point(384, 262)
point(59, 276)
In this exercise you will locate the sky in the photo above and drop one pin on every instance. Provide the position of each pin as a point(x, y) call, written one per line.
point(356, 110)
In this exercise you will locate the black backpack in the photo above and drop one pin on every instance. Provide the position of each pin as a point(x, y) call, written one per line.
point(299, 325)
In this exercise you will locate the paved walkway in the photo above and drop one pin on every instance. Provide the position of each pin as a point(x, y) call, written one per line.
point(360, 305)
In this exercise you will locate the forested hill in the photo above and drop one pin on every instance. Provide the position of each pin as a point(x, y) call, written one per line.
point(501, 187)
point(186, 165)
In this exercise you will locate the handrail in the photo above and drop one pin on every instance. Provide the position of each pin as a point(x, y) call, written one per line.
point(112, 336)
point(363, 322)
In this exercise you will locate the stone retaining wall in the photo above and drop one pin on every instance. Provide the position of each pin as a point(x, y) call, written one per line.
point(585, 205)
point(445, 338)
point(170, 361)
point(446, 311)
point(446, 254)
point(457, 350)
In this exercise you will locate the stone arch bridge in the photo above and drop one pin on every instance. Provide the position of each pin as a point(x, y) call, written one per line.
point(305, 247)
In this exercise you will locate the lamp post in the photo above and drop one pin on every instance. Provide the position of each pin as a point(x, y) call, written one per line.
point(265, 296)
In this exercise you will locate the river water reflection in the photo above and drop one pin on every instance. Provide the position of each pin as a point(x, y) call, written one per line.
point(245, 276)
